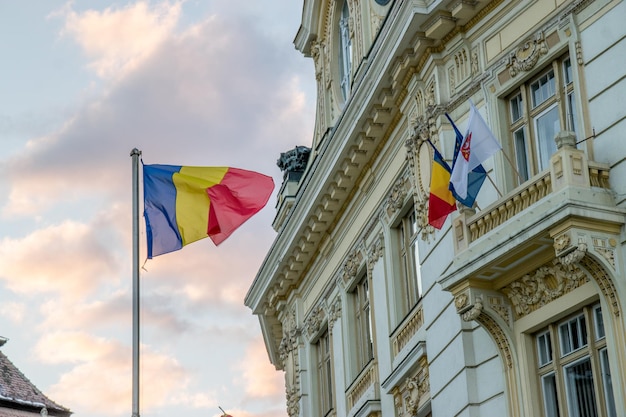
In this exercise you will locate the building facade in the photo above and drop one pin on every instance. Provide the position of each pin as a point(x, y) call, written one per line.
point(516, 306)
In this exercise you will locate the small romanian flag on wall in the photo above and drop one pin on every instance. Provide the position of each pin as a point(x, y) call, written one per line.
point(183, 204)
point(441, 201)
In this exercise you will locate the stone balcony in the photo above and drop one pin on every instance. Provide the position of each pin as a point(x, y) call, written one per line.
point(519, 232)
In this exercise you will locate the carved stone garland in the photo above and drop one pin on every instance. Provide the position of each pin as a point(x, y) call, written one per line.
point(545, 284)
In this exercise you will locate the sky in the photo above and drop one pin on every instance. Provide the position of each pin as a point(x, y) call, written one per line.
point(187, 82)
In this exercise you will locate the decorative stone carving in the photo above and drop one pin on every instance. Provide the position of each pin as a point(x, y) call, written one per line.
point(293, 402)
point(288, 351)
point(352, 265)
point(561, 242)
point(526, 57)
point(501, 307)
point(545, 284)
point(399, 191)
point(427, 231)
point(475, 62)
point(460, 301)
point(334, 312)
point(313, 323)
point(574, 256)
point(604, 248)
point(376, 20)
point(374, 253)
point(417, 387)
point(413, 392)
point(607, 254)
point(451, 81)
point(498, 334)
point(474, 312)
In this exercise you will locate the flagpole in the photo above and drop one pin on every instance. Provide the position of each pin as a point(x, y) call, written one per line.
point(135, 154)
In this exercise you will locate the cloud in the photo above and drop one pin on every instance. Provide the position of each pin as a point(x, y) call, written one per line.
point(220, 94)
point(258, 375)
point(67, 259)
point(100, 378)
point(118, 39)
point(13, 311)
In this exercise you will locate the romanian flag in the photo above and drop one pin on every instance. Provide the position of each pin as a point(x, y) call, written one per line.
point(441, 201)
point(184, 204)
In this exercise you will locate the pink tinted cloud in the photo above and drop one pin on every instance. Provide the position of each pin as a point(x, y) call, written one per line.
point(118, 39)
point(99, 378)
point(13, 311)
point(67, 259)
point(220, 84)
point(258, 376)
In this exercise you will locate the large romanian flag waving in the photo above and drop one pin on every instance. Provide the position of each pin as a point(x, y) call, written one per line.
point(183, 204)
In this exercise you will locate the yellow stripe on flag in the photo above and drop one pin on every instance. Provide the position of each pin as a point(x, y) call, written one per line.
point(192, 201)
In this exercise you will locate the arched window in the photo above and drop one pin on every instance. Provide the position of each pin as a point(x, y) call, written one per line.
point(345, 51)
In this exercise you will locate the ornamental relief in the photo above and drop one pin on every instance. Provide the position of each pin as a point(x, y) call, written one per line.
point(471, 303)
point(313, 323)
point(413, 392)
point(352, 265)
point(419, 154)
point(288, 351)
point(334, 313)
point(526, 57)
point(547, 283)
point(397, 196)
point(374, 253)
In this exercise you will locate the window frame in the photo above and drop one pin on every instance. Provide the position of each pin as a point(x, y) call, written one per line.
point(362, 325)
point(531, 151)
point(324, 373)
point(344, 53)
point(589, 348)
point(410, 281)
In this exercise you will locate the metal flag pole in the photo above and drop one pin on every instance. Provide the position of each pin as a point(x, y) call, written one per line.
point(135, 154)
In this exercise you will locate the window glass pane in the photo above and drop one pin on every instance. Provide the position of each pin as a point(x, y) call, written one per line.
point(363, 325)
point(608, 385)
point(573, 334)
point(544, 349)
point(409, 282)
point(517, 109)
point(418, 275)
point(567, 71)
point(597, 312)
point(542, 89)
point(550, 401)
point(546, 127)
point(571, 113)
point(581, 398)
point(519, 137)
point(324, 374)
point(345, 50)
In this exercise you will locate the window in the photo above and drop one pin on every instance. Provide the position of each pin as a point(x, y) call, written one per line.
point(538, 110)
point(324, 374)
point(363, 325)
point(410, 282)
point(345, 51)
point(573, 367)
